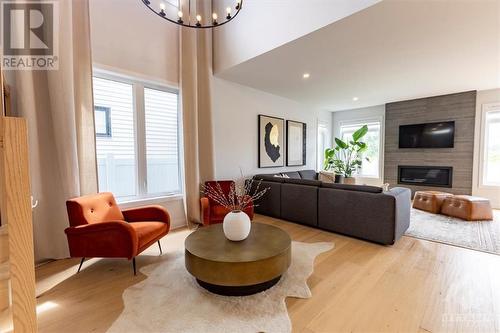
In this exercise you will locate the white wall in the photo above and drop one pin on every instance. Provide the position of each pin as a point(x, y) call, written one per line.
point(129, 40)
point(373, 112)
point(490, 192)
point(129, 37)
point(235, 118)
point(263, 25)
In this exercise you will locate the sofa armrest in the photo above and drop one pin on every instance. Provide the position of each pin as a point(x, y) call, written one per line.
point(205, 210)
point(147, 213)
point(107, 239)
point(402, 196)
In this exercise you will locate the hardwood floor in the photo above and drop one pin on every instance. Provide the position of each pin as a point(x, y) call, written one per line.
point(413, 286)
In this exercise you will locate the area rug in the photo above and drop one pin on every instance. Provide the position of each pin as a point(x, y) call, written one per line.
point(479, 235)
point(170, 300)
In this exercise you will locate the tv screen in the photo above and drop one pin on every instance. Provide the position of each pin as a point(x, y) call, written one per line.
point(431, 135)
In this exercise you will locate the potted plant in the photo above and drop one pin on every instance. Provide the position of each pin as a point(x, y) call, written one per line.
point(241, 194)
point(346, 157)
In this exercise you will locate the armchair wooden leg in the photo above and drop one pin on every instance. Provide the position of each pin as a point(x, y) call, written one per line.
point(159, 245)
point(80, 267)
point(133, 264)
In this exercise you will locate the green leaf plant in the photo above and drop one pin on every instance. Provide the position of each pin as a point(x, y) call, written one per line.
point(346, 157)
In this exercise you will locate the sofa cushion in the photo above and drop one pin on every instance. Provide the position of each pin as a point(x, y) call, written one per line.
point(270, 203)
point(269, 178)
point(292, 174)
point(217, 211)
point(326, 177)
point(358, 188)
point(309, 182)
point(147, 232)
point(369, 216)
point(95, 208)
point(308, 174)
point(299, 202)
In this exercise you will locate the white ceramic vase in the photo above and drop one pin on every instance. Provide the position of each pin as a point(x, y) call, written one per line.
point(236, 225)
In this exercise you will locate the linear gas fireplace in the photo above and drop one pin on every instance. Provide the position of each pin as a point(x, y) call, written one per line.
point(425, 175)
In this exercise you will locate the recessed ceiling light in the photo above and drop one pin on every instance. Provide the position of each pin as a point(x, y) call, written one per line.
point(355, 99)
point(306, 75)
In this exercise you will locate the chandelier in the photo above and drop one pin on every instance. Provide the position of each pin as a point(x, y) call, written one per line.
point(172, 13)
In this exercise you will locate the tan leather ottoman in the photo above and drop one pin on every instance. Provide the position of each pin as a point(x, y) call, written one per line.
point(430, 201)
point(468, 208)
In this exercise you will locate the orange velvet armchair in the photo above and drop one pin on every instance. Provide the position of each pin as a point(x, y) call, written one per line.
point(212, 212)
point(99, 229)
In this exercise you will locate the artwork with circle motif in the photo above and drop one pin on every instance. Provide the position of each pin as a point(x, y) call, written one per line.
point(270, 142)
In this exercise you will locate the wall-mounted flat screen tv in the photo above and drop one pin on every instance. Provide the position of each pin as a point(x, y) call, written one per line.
point(430, 135)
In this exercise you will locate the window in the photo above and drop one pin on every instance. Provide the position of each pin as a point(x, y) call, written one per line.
point(369, 169)
point(491, 162)
point(102, 121)
point(116, 155)
point(137, 138)
point(162, 142)
point(322, 144)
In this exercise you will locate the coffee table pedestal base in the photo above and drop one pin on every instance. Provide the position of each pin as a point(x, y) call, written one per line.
point(238, 290)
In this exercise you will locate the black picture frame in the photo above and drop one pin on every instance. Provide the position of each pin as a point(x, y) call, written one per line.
point(264, 160)
point(290, 145)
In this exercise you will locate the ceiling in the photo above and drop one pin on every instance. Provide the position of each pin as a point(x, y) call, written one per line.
point(264, 25)
point(394, 50)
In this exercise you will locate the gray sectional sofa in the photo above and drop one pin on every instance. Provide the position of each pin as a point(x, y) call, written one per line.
point(364, 212)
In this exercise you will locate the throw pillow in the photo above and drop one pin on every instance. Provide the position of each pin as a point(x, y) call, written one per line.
point(327, 177)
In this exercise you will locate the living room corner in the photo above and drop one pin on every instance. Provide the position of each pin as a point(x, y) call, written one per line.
point(249, 166)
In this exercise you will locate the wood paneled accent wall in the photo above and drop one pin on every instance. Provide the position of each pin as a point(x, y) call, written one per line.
point(460, 107)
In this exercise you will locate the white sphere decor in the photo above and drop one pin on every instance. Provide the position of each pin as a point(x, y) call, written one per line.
point(236, 225)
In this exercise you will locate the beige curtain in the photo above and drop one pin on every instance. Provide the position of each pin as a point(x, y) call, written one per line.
point(195, 81)
point(58, 106)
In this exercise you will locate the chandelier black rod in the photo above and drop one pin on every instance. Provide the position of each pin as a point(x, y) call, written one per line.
point(147, 3)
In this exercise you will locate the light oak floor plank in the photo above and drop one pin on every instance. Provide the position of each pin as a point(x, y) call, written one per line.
point(413, 286)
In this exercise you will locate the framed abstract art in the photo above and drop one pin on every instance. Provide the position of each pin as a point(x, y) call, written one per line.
point(295, 143)
point(271, 139)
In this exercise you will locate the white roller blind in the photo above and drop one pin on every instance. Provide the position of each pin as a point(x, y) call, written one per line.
point(492, 149)
point(162, 144)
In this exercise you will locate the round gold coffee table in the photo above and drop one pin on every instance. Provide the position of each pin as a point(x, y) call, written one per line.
point(238, 268)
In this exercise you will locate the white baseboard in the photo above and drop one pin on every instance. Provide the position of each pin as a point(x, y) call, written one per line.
point(178, 223)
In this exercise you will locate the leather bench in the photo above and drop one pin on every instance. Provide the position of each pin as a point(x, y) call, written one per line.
point(468, 208)
point(430, 201)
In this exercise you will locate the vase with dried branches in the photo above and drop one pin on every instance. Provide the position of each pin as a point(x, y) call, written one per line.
point(242, 194)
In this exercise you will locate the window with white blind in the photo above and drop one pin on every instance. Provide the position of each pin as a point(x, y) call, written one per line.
point(491, 162)
point(137, 138)
point(371, 168)
point(162, 144)
point(322, 144)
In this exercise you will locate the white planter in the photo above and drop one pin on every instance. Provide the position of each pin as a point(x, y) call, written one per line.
point(236, 226)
